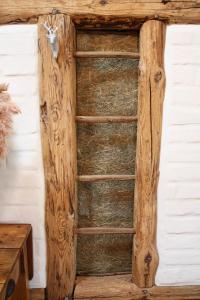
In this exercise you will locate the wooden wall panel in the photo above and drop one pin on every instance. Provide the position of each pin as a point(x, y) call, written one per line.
point(57, 87)
point(150, 102)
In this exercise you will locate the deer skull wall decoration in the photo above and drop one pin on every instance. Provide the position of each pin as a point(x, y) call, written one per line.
point(52, 38)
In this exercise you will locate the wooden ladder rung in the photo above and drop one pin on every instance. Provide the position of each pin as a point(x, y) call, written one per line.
point(92, 178)
point(104, 54)
point(105, 230)
point(106, 119)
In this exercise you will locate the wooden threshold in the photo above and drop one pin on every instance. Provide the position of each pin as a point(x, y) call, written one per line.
point(104, 54)
point(120, 287)
point(92, 287)
point(106, 119)
point(105, 230)
point(92, 178)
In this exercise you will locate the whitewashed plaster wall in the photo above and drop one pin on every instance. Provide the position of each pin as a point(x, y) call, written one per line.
point(179, 184)
point(21, 173)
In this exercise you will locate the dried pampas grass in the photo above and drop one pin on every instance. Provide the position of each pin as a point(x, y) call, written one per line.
point(7, 110)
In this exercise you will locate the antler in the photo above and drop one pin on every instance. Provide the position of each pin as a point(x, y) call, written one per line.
point(49, 28)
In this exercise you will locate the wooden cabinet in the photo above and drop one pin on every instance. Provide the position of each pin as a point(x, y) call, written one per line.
point(16, 264)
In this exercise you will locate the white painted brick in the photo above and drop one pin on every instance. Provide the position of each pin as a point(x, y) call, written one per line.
point(22, 85)
point(21, 174)
point(29, 30)
point(17, 40)
point(14, 65)
point(183, 152)
point(179, 190)
point(184, 75)
point(190, 241)
point(23, 160)
point(184, 134)
point(178, 236)
point(21, 196)
point(183, 35)
point(187, 257)
point(182, 224)
point(22, 142)
point(181, 172)
point(39, 263)
point(29, 105)
point(12, 45)
point(188, 208)
point(183, 116)
point(21, 178)
point(184, 54)
point(178, 275)
point(24, 124)
point(184, 95)
point(24, 214)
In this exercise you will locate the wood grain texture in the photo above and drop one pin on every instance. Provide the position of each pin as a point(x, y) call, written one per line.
point(57, 90)
point(8, 258)
point(102, 54)
point(13, 235)
point(106, 119)
point(105, 230)
point(113, 177)
point(186, 11)
point(37, 294)
point(150, 102)
point(107, 287)
point(122, 288)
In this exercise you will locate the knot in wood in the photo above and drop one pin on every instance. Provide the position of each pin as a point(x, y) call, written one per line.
point(148, 258)
point(158, 76)
point(103, 2)
point(145, 298)
point(55, 11)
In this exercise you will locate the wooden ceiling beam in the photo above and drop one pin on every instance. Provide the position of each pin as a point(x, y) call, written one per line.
point(103, 11)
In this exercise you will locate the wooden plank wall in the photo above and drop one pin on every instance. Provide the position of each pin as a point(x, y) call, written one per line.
point(150, 104)
point(57, 90)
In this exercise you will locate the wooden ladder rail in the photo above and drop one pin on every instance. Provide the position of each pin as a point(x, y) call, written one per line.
point(104, 230)
point(106, 119)
point(106, 54)
point(112, 177)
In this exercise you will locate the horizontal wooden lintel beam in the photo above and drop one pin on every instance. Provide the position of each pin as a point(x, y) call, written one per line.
point(91, 178)
point(106, 119)
point(104, 230)
point(130, 11)
point(104, 54)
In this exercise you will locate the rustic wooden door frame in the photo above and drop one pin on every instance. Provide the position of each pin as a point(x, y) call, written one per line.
point(57, 88)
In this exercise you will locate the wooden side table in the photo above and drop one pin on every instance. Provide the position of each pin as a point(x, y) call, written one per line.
point(16, 261)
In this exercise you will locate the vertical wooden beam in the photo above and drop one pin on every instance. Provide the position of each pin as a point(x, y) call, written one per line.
point(57, 90)
point(151, 95)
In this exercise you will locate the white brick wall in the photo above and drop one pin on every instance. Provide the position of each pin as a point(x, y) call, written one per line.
point(21, 173)
point(179, 184)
